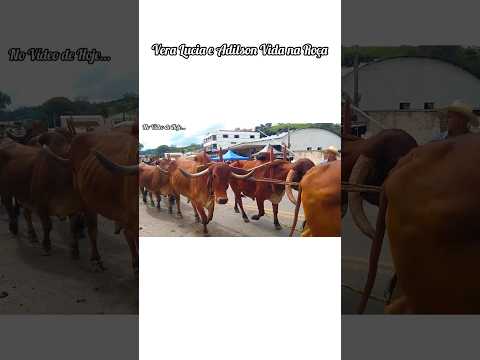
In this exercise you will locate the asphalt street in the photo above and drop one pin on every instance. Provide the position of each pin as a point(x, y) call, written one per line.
point(31, 283)
point(225, 221)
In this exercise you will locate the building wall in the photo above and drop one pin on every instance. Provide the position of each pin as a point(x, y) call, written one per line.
point(315, 155)
point(384, 84)
point(315, 139)
point(223, 143)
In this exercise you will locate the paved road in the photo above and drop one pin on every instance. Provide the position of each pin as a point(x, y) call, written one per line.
point(225, 221)
point(31, 283)
point(355, 251)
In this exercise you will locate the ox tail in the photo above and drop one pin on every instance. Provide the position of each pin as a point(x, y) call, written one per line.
point(297, 209)
point(115, 168)
point(374, 252)
point(58, 158)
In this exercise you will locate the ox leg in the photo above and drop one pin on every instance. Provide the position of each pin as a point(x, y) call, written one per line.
point(92, 226)
point(12, 214)
point(151, 198)
point(238, 200)
point(144, 194)
point(32, 235)
point(132, 240)
point(47, 227)
point(177, 200)
point(76, 223)
point(195, 211)
point(275, 217)
point(261, 210)
point(203, 216)
point(235, 208)
point(170, 200)
point(159, 198)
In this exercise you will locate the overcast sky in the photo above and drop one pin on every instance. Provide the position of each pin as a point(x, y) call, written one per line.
point(410, 22)
point(109, 26)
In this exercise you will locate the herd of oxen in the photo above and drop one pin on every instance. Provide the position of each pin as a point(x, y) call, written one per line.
point(64, 174)
point(428, 198)
point(204, 184)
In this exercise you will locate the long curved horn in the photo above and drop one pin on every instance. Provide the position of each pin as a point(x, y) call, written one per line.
point(115, 168)
point(240, 177)
point(288, 187)
point(297, 209)
point(190, 175)
point(55, 156)
point(270, 163)
point(359, 175)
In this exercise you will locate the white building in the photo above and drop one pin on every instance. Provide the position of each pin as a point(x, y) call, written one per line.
point(411, 83)
point(225, 138)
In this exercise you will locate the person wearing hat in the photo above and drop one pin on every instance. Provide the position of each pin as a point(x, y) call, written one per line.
point(330, 154)
point(460, 118)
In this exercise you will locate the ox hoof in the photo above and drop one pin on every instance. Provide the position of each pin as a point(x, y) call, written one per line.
point(278, 226)
point(246, 219)
point(255, 217)
point(97, 266)
point(236, 210)
point(180, 216)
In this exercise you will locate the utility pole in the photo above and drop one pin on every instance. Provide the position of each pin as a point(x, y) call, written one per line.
point(356, 99)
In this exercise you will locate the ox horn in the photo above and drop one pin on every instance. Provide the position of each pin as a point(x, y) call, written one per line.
point(55, 156)
point(297, 209)
point(359, 174)
point(190, 175)
point(245, 176)
point(116, 168)
point(288, 187)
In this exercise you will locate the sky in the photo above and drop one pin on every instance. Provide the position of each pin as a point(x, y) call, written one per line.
point(90, 24)
point(409, 22)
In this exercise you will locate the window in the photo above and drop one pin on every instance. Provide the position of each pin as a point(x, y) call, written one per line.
point(225, 136)
point(214, 146)
point(319, 148)
point(214, 137)
point(404, 106)
point(252, 136)
point(233, 143)
point(428, 105)
point(309, 148)
point(236, 136)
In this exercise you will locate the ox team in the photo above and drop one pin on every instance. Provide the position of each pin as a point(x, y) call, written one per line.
point(428, 204)
point(204, 183)
point(61, 173)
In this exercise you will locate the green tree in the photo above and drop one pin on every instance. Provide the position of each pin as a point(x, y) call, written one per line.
point(5, 100)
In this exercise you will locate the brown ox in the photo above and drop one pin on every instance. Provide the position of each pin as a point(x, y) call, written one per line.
point(105, 166)
point(429, 208)
point(320, 193)
point(41, 182)
point(258, 190)
point(155, 179)
point(368, 162)
point(203, 185)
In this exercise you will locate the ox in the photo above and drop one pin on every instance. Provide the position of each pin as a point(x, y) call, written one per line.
point(156, 180)
point(203, 185)
point(368, 162)
point(41, 182)
point(105, 166)
point(319, 191)
point(259, 190)
point(429, 207)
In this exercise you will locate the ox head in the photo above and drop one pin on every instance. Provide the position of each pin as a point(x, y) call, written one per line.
point(295, 175)
point(218, 177)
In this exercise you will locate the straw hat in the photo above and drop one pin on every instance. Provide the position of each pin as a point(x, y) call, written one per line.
point(463, 109)
point(332, 149)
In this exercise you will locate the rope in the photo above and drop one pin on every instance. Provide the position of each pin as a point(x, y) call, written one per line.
point(373, 297)
point(346, 186)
